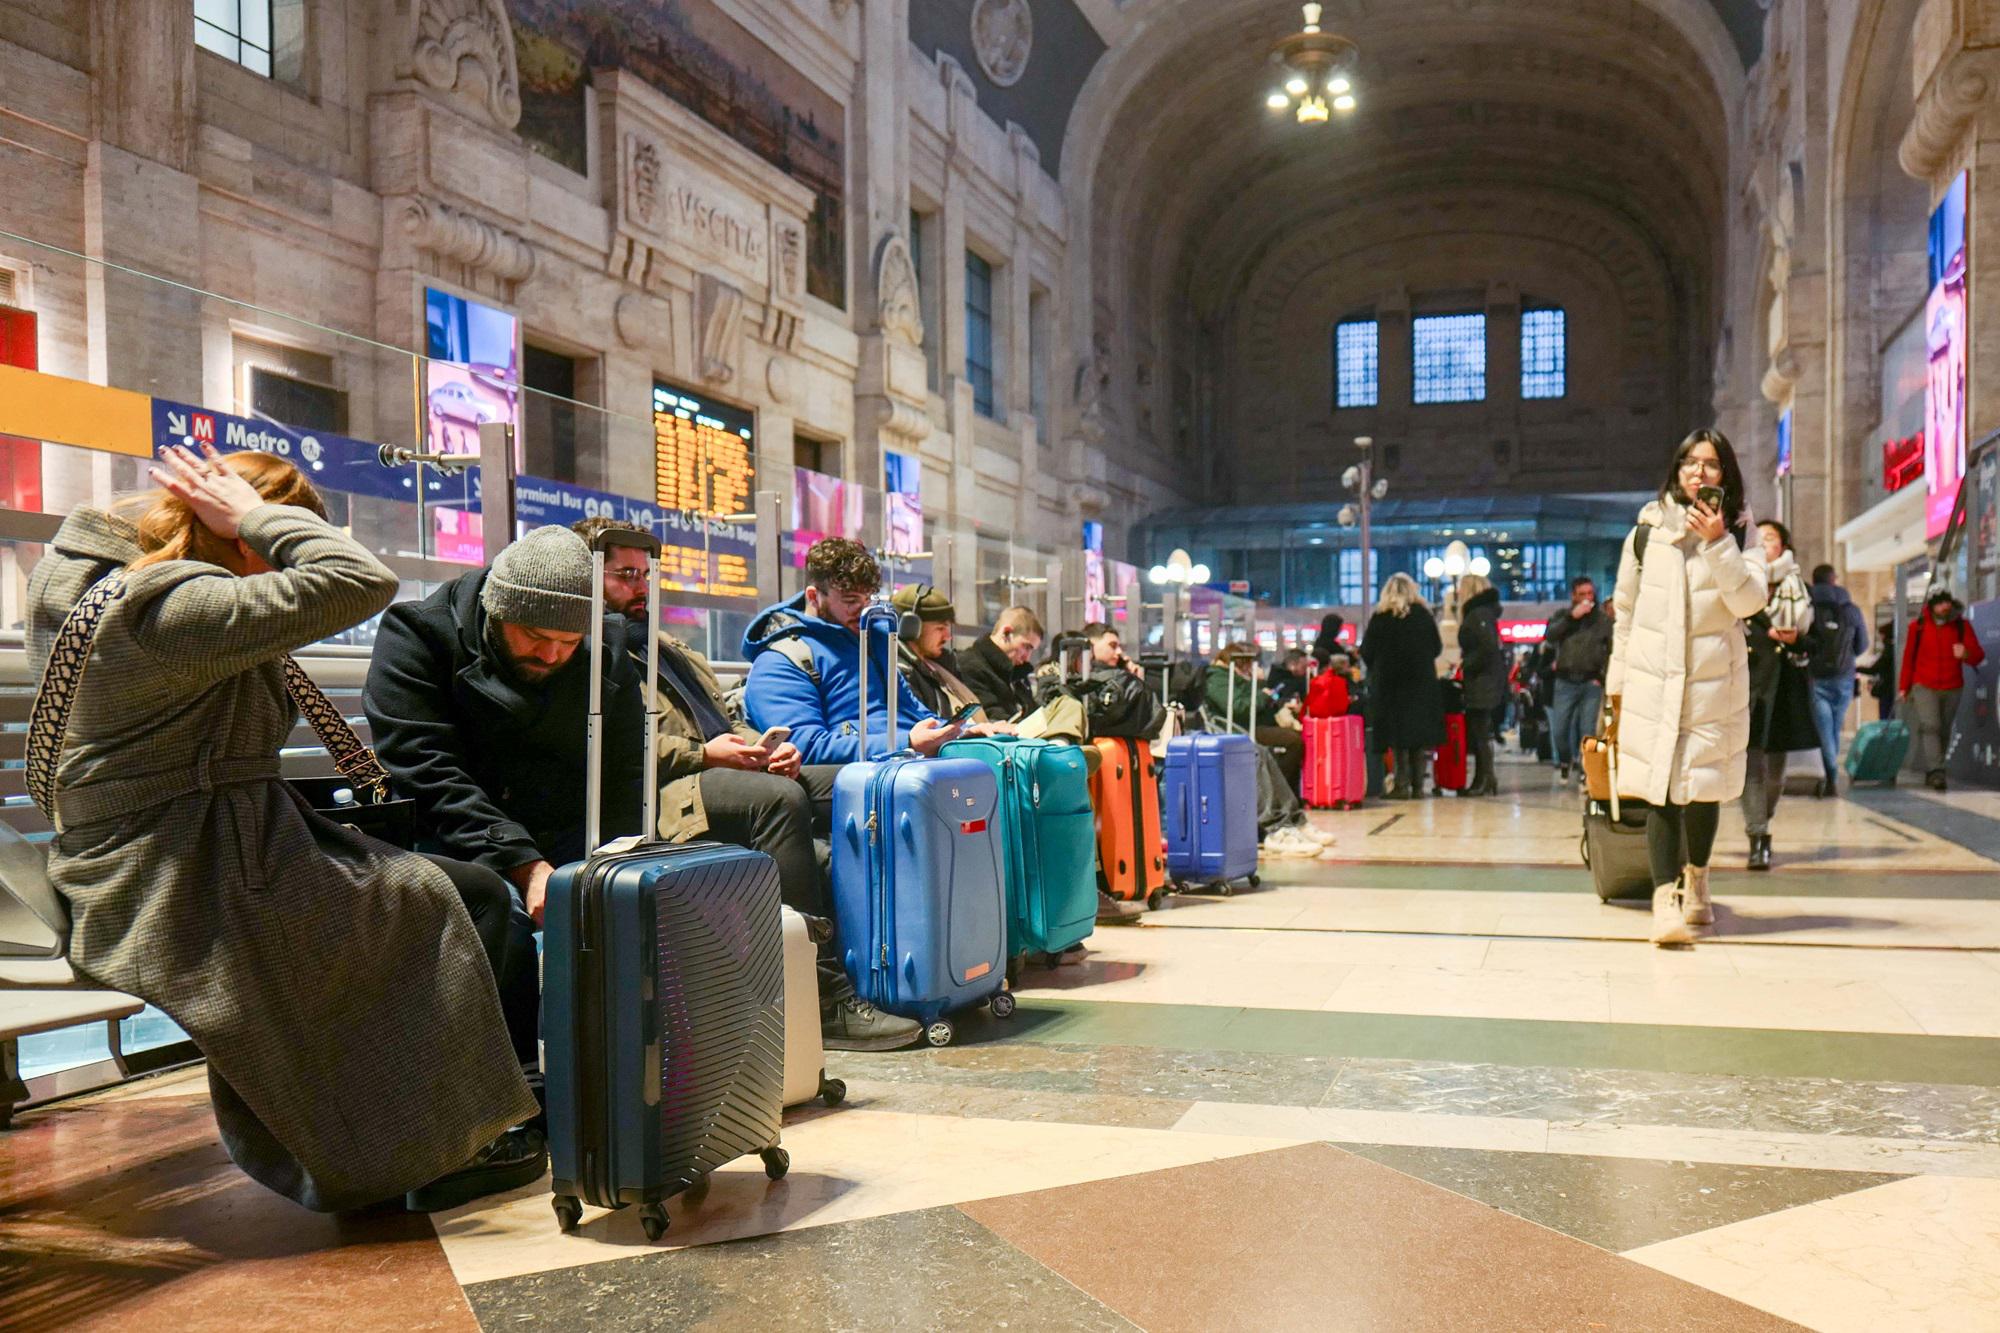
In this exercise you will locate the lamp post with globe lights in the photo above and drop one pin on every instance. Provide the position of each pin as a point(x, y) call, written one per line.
point(1361, 482)
point(1173, 578)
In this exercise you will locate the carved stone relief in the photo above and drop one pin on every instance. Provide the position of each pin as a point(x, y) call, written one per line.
point(643, 322)
point(718, 329)
point(645, 180)
point(899, 310)
point(462, 238)
point(1003, 33)
point(466, 47)
point(788, 250)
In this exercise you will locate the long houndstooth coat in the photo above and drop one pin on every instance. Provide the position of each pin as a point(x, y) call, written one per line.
point(353, 1031)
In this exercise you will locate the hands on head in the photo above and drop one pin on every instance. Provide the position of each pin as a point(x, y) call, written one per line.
point(219, 498)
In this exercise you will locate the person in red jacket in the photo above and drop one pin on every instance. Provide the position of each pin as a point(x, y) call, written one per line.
point(1941, 646)
point(1327, 696)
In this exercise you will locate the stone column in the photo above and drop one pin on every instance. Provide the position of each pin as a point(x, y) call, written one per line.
point(1955, 69)
point(1503, 379)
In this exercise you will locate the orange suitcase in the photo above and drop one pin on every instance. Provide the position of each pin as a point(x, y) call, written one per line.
point(1125, 793)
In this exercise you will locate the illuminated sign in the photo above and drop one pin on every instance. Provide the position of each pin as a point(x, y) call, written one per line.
point(702, 453)
point(1945, 337)
point(1902, 462)
point(704, 560)
point(1514, 631)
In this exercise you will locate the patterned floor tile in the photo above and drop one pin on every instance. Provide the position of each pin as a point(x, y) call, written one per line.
point(1316, 1237)
point(935, 1268)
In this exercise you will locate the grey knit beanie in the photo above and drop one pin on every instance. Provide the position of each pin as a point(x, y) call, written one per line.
point(542, 581)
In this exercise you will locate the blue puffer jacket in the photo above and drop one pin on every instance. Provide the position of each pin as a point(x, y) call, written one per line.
point(823, 713)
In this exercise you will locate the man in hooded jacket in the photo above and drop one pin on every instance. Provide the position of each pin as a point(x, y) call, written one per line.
point(1839, 635)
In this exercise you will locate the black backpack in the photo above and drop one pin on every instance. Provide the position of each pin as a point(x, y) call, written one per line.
point(1824, 643)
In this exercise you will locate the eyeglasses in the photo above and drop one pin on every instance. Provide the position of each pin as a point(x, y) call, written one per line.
point(1708, 467)
point(629, 577)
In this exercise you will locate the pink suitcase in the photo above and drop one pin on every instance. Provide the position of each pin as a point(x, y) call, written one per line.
point(1336, 771)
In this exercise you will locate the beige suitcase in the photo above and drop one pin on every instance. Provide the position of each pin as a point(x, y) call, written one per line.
point(805, 1060)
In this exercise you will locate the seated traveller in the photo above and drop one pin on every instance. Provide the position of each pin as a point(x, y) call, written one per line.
point(283, 943)
point(805, 666)
point(928, 663)
point(479, 694)
point(998, 667)
point(1117, 697)
point(1255, 714)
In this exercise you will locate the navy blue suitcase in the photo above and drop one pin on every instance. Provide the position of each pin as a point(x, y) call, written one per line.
point(918, 886)
point(1209, 804)
point(663, 1001)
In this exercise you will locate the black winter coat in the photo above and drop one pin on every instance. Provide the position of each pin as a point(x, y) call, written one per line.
point(1781, 710)
point(1005, 690)
point(497, 767)
point(1405, 700)
point(1483, 659)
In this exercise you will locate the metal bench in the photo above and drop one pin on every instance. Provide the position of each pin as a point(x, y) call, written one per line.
point(39, 992)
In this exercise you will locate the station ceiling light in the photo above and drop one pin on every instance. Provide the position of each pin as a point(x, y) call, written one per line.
point(1316, 67)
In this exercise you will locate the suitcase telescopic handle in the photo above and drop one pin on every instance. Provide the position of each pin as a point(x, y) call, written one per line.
point(649, 795)
point(887, 615)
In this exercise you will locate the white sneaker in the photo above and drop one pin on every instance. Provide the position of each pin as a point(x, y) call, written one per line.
point(1321, 836)
point(1290, 842)
point(1669, 924)
point(1696, 909)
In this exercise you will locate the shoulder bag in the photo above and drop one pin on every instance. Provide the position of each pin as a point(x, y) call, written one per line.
point(358, 798)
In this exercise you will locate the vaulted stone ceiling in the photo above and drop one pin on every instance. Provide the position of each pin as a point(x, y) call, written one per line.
point(1611, 116)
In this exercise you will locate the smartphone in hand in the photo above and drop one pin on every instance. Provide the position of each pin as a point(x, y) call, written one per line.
point(773, 737)
point(1710, 496)
point(962, 716)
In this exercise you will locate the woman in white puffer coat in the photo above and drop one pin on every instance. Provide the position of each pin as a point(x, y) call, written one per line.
point(1679, 681)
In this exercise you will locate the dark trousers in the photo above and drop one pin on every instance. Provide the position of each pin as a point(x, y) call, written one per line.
point(1680, 835)
point(1481, 725)
point(507, 933)
point(1288, 747)
point(775, 816)
point(779, 816)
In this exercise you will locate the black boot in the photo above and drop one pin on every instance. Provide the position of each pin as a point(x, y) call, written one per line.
point(516, 1158)
point(1760, 851)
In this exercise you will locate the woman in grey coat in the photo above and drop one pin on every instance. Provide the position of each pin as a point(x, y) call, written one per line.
point(355, 1041)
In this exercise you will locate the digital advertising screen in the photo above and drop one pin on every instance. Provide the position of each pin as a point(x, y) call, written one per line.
point(822, 506)
point(1946, 332)
point(474, 373)
point(903, 503)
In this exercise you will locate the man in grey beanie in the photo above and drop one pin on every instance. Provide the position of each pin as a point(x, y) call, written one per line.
point(478, 697)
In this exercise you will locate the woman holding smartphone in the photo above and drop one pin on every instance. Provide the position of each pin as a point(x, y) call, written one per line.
point(1679, 682)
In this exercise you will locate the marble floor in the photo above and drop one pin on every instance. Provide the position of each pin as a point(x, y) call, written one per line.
point(1432, 1084)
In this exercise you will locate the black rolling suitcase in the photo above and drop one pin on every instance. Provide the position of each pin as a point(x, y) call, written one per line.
point(1615, 850)
point(663, 998)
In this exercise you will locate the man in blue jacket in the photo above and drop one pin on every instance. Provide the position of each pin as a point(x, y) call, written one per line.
point(805, 666)
point(1839, 634)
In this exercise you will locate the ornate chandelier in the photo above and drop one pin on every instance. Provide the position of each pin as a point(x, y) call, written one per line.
point(1316, 67)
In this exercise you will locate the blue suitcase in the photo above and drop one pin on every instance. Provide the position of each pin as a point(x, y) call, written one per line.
point(918, 884)
point(1049, 838)
point(1209, 803)
point(663, 1002)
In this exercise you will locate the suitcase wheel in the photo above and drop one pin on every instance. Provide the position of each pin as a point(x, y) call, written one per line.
point(1154, 899)
point(1226, 889)
point(568, 1212)
point(776, 1162)
point(938, 1033)
point(1256, 880)
point(832, 1091)
point(653, 1220)
point(1002, 1005)
point(695, 1193)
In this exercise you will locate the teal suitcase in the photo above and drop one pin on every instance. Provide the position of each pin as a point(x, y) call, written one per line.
point(1878, 752)
point(1050, 837)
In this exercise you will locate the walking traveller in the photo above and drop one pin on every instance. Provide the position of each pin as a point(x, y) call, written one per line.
point(1679, 679)
point(1580, 639)
point(1405, 698)
point(1484, 663)
point(1941, 647)
point(1839, 635)
point(284, 944)
point(1781, 708)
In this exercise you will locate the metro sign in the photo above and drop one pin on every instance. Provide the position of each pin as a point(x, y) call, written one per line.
point(1902, 462)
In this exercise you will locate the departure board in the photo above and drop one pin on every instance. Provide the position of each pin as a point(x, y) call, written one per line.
point(702, 453)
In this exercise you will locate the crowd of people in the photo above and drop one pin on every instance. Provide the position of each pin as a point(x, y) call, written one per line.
point(202, 883)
